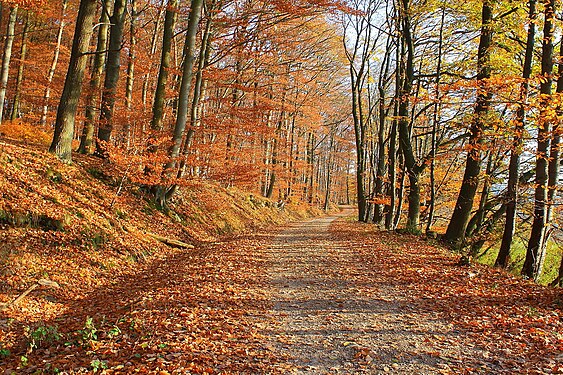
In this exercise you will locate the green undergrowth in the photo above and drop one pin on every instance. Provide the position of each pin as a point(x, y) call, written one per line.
point(518, 255)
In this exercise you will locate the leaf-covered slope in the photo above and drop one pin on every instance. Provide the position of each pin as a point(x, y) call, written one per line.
point(69, 224)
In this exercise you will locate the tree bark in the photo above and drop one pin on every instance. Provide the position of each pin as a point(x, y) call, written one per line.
point(392, 151)
point(66, 112)
point(435, 121)
point(113, 66)
point(87, 138)
point(503, 257)
point(132, 56)
point(6, 57)
point(464, 204)
point(53, 68)
point(184, 95)
point(128, 128)
point(199, 87)
point(162, 81)
point(413, 167)
point(381, 155)
point(536, 245)
point(360, 151)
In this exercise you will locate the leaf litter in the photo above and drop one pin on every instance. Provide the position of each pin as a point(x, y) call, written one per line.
point(317, 297)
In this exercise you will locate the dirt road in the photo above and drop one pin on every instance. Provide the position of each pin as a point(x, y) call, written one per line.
point(331, 323)
point(317, 297)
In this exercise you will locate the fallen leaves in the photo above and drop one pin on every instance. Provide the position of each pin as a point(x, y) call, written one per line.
point(515, 324)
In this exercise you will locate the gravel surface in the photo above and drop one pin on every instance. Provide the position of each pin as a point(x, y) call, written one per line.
point(337, 316)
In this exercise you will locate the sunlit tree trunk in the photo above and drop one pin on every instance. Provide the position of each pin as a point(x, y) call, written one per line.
point(66, 113)
point(184, 94)
point(132, 56)
point(554, 163)
point(199, 87)
point(53, 68)
point(464, 204)
point(8, 43)
point(390, 211)
point(503, 257)
point(19, 78)
point(92, 100)
point(536, 245)
point(413, 168)
point(129, 129)
point(113, 66)
point(329, 166)
point(435, 118)
point(381, 155)
point(162, 81)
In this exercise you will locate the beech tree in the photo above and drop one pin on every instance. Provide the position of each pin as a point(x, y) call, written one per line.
point(66, 113)
point(6, 56)
point(458, 223)
point(164, 193)
point(517, 143)
point(535, 253)
point(96, 74)
point(113, 67)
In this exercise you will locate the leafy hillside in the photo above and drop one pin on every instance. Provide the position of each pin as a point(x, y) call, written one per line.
point(81, 226)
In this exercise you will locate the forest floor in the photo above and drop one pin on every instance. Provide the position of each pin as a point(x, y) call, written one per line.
point(326, 296)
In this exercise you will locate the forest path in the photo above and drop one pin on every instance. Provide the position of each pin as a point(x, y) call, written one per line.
point(336, 314)
point(324, 296)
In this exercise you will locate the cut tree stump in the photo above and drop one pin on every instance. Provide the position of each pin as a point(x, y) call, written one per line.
point(171, 242)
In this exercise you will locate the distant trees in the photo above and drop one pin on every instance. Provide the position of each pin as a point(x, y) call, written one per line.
point(424, 114)
point(476, 176)
point(272, 133)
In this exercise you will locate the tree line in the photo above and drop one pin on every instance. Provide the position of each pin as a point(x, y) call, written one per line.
point(435, 115)
point(245, 93)
point(457, 111)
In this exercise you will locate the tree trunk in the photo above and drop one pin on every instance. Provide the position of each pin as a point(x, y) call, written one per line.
point(381, 156)
point(392, 173)
point(53, 68)
point(87, 138)
point(147, 77)
point(476, 222)
point(360, 152)
point(199, 87)
point(413, 169)
point(6, 57)
point(64, 125)
point(129, 129)
point(554, 164)
point(113, 66)
point(503, 257)
point(132, 56)
point(536, 245)
point(184, 95)
point(435, 120)
point(329, 166)
point(464, 204)
point(160, 93)
point(19, 78)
